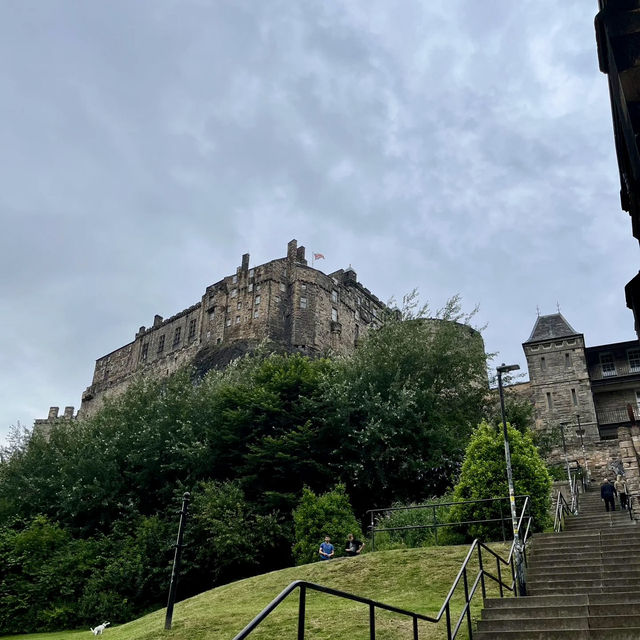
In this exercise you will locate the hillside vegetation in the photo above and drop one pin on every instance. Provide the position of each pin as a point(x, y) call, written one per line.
point(415, 579)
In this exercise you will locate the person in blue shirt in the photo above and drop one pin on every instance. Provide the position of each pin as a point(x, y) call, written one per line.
point(326, 550)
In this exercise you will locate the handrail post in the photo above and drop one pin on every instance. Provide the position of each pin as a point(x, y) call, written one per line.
point(504, 535)
point(435, 524)
point(499, 572)
point(302, 611)
point(372, 622)
point(484, 591)
point(466, 599)
point(415, 628)
point(448, 617)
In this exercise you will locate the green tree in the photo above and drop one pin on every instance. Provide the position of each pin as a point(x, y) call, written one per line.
point(403, 406)
point(329, 514)
point(484, 476)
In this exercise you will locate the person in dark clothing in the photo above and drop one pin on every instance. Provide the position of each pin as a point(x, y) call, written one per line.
point(354, 547)
point(607, 493)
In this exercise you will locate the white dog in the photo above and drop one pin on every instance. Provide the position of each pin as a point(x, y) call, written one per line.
point(99, 629)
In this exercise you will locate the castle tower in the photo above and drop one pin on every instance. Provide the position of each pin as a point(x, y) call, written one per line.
point(560, 384)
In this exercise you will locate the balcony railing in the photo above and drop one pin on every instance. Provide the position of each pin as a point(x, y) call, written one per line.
point(613, 416)
point(614, 370)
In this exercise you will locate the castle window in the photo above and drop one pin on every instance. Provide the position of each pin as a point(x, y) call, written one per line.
point(258, 287)
point(574, 397)
point(192, 329)
point(256, 313)
point(608, 365)
point(567, 361)
point(634, 360)
point(218, 340)
point(145, 351)
point(549, 401)
point(239, 305)
point(257, 301)
point(161, 344)
point(277, 298)
point(334, 314)
point(237, 319)
point(251, 273)
point(334, 296)
point(176, 336)
point(235, 279)
point(303, 287)
point(283, 287)
point(228, 323)
point(250, 287)
point(543, 363)
point(303, 303)
point(234, 293)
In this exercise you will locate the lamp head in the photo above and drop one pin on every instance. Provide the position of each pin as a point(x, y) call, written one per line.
point(504, 368)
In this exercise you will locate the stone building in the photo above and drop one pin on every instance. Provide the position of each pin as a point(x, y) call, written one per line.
point(596, 389)
point(284, 301)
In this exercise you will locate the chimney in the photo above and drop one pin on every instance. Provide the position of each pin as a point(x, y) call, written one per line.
point(157, 321)
point(300, 255)
point(292, 250)
point(245, 262)
point(53, 413)
point(68, 413)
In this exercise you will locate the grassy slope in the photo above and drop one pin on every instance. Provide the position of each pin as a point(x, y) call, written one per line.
point(414, 579)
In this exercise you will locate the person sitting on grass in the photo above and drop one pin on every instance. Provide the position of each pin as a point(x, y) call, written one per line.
point(326, 549)
point(354, 547)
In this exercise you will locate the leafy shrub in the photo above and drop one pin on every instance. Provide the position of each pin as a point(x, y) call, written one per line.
point(329, 514)
point(484, 476)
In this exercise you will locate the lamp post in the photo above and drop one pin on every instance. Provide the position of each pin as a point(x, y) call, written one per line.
point(580, 431)
point(522, 587)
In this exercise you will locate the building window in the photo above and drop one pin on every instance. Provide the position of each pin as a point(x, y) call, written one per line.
point(357, 315)
point(228, 323)
point(251, 273)
point(256, 313)
point(608, 365)
point(235, 279)
point(283, 287)
point(334, 314)
point(574, 397)
point(192, 329)
point(634, 360)
point(303, 287)
point(303, 303)
point(218, 340)
point(161, 344)
point(543, 363)
point(549, 401)
point(258, 287)
point(234, 292)
point(239, 305)
point(277, 298)
point(250, 287)
point(237, 319)
point(145, 351)
point(334, 296)
point(567, 361)
point(257, 301)
point(176, 336)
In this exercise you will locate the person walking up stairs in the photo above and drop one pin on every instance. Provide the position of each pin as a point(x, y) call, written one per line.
point(582, 583)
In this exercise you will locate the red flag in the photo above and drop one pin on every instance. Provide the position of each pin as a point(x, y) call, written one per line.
point(318, 256)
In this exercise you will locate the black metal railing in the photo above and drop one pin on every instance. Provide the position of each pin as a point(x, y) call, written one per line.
point(470, 587)
point(503, 509)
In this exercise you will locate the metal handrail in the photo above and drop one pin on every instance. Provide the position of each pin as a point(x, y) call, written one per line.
point(445, 610)
point(562, 508)
point(435, 525)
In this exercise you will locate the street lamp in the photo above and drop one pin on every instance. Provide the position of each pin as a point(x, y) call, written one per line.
point(580, 431)
point(522, 587)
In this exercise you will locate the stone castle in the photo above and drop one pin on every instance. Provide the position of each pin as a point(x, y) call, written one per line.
point(285, 301)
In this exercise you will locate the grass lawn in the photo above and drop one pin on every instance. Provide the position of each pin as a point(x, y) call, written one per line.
point(413, 579)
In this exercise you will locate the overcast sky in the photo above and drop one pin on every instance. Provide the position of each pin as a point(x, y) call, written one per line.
point(455, 146)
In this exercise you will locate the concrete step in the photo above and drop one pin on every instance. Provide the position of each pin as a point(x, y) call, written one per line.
point(534, 624)
point(582, 573)
point(558, 556)
point(617, 598)
point(563, 634)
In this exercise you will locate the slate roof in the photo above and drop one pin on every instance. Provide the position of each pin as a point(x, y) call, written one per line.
point(551, 327)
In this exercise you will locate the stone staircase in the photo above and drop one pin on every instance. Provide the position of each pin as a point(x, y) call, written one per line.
point(582, 583)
